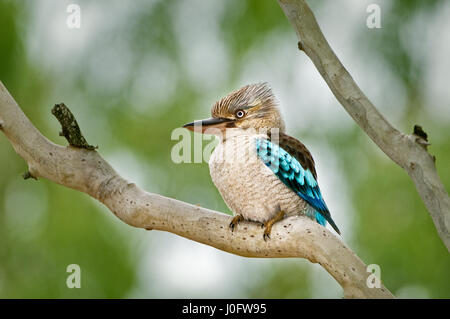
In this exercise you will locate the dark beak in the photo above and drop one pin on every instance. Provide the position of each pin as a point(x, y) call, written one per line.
point(202, 125)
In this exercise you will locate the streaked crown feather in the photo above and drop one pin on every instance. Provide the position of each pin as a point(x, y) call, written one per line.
point(249, 96)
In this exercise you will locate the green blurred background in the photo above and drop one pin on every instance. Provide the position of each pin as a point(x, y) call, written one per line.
point(136, 70)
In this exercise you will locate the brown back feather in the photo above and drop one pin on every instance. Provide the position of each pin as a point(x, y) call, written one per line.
point(298, 150)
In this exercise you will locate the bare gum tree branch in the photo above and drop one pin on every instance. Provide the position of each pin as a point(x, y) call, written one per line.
point(408, 151)
point(80, 167)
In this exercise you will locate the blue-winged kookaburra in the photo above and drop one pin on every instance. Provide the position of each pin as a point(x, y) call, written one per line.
point(262, 173)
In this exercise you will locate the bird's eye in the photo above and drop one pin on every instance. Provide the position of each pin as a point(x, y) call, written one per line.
point(240, 113)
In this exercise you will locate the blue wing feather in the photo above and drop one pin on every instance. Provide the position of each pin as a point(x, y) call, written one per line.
point(293, 175)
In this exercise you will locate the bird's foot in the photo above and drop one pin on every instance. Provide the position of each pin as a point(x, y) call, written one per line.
point(268, 225)
point(235, 221)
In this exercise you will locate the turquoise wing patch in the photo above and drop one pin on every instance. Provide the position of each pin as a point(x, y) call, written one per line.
point(294, 176)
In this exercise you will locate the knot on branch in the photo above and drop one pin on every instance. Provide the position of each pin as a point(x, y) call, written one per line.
point(70, 129)
point(110, 186)
point(421, 136)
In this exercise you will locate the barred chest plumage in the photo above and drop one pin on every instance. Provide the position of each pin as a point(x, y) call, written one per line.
point(246, 184)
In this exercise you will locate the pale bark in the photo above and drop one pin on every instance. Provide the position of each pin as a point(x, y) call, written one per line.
point(86, 171)
point(408, 151)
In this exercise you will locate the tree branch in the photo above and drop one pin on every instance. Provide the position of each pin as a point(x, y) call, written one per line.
point(86, 171)
point(408, 151)
point(70, 129)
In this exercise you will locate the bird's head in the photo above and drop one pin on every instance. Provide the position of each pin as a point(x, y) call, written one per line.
point(251, 107)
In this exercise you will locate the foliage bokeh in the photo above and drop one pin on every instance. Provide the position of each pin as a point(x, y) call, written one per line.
point(137, 70)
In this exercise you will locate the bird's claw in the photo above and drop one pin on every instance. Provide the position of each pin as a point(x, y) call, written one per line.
point(235, 221)
point(267, 230)
point(268, 224)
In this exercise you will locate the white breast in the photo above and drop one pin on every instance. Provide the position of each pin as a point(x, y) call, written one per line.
point(246, 184)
